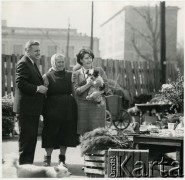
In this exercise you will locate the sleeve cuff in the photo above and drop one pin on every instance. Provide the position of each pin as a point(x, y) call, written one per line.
point(37, 89)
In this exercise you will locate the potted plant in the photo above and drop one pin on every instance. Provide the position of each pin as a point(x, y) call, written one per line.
point(174, 93)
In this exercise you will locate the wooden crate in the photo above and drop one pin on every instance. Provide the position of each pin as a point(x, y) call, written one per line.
point(95, 164)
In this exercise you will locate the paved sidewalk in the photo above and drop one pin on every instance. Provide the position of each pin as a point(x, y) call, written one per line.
point(73, 157)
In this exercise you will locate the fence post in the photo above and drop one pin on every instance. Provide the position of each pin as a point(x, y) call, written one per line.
point(14, 62)
point(3, 74)
point(130, 78)
point(145, 75)
point(136, 72)
point(8, 74)
point(43, 64)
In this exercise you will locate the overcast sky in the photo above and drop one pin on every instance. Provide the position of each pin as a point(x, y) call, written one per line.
point(57, 14)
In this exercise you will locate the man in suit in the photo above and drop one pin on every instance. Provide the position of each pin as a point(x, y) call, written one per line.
point(28, 101)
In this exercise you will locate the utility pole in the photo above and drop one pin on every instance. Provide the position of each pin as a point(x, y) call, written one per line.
point(92, 15)
point(163, 43)
point(67, 47)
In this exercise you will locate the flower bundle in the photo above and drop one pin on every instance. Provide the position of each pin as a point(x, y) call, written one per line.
point(102, 139)
point(174, 92)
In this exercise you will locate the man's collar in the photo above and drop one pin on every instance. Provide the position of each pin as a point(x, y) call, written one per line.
point(30, 59)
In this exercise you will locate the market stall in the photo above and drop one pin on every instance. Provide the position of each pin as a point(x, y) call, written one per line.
point(156, 128)
point(162, 145)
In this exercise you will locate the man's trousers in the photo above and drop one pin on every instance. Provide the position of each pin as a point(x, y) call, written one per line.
point(28, 128)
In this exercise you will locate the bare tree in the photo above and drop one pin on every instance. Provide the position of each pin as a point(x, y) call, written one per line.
point(150, 36)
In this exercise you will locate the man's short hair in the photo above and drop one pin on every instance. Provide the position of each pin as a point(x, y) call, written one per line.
point(31, 43)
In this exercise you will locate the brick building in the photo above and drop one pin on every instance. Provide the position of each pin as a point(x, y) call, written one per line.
point(117, 33)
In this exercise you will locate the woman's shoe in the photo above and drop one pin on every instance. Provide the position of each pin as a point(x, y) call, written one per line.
point(62, 159)
point(47, 160)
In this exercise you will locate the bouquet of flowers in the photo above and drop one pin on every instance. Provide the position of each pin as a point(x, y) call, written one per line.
point(174, 92)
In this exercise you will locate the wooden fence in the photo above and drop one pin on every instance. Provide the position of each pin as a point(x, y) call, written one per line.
point(136, 77)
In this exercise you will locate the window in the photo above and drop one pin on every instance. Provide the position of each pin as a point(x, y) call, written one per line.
point(51, 50)
point(18, 49)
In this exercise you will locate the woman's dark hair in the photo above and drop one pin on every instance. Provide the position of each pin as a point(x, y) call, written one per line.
point(81, 54)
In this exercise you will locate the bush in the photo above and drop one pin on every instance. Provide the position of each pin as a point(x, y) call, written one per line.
point(7, 106)
point(7, 125)
point(174, 92)
point(7, 115)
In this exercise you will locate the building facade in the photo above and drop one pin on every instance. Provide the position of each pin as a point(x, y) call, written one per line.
point(51, 40)
point(118, 32)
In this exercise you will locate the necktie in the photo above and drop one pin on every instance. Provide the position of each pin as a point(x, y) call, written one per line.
point(37, 68)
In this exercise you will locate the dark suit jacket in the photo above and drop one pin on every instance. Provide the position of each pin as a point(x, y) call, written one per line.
point(27, 101)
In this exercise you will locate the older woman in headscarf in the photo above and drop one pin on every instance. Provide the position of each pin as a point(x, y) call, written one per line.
point(60, 111)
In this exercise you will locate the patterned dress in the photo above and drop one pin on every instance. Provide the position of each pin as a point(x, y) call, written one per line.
point(90, 114)
point(60, 112)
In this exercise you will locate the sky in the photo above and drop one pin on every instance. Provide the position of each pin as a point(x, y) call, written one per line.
point(57, 14)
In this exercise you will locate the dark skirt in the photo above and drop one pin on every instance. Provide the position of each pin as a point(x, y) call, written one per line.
point(60, 122)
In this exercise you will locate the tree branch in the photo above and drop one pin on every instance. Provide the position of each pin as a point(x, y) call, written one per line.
point(147, 38)
point(138, 51)
point(156, 19)
point(153, 38)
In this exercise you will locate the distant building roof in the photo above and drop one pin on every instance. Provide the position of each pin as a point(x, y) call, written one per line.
point(129, 7)
point(112, 17)
point(55, 31)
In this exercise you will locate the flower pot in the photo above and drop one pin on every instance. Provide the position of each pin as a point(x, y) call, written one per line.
point(171, 126)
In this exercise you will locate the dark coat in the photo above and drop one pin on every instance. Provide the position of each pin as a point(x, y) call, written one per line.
point(27, 101)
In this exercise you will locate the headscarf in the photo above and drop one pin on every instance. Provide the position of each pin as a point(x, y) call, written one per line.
point(53, 61)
